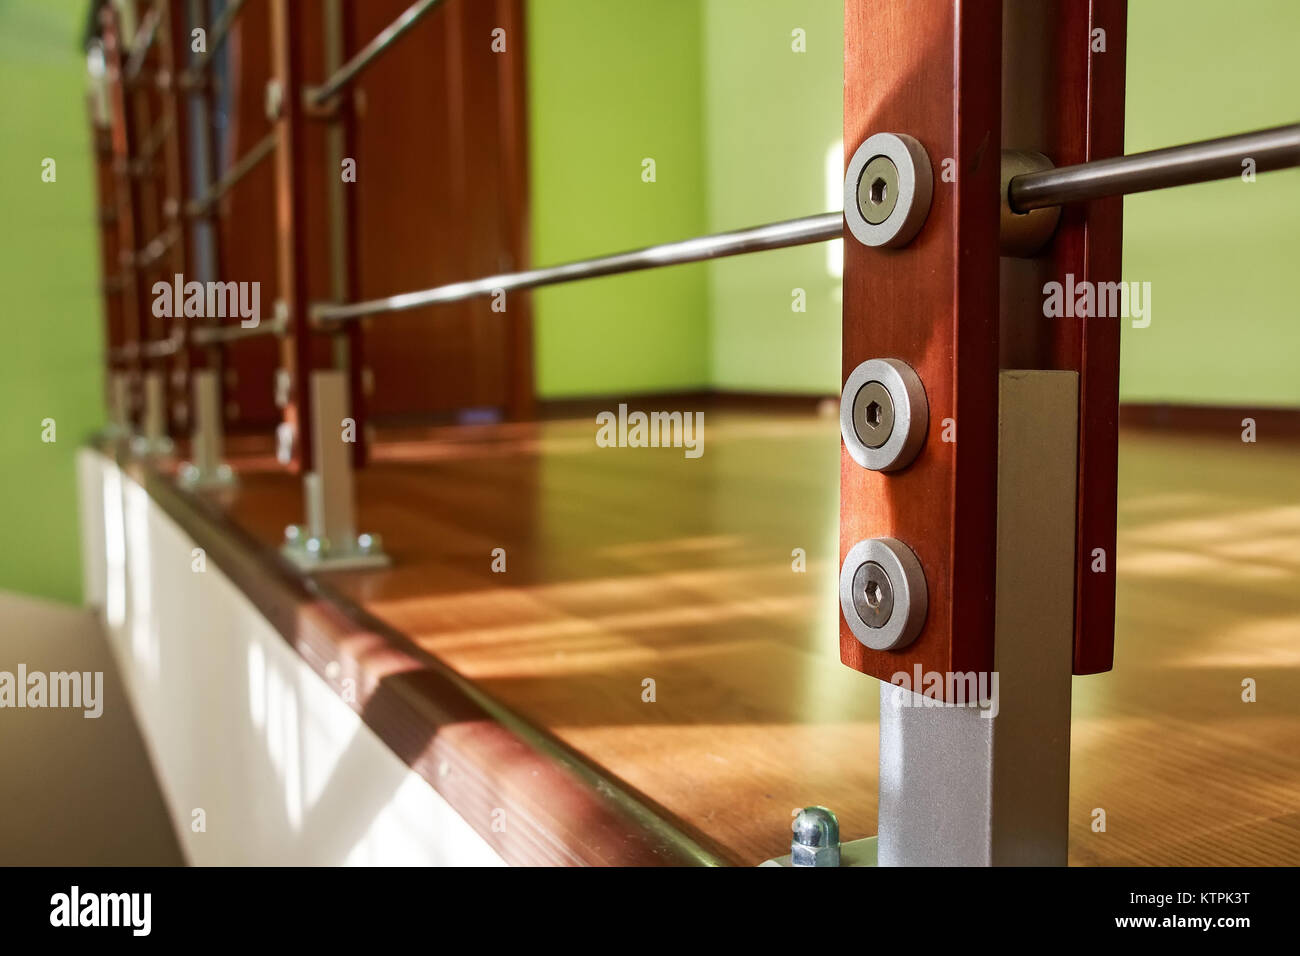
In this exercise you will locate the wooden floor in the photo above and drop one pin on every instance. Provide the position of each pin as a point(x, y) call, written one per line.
point(628, 565)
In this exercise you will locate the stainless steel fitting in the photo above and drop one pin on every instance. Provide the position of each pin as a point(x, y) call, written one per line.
point(887, 190)
point(883, 593)
point(884, 414)
point(816, 838)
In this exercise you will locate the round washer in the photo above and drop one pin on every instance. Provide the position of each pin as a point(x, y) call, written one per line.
point(911, 599)
point(911, 414)
point(915, 190)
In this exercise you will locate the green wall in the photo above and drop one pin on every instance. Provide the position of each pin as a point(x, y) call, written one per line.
point(611, 84)
point(772, 116)
point(1220, 257)
point(1225, 326)
point(51, 360)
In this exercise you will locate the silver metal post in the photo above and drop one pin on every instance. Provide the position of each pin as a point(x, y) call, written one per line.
point(329, 540)
point(317, 95)
point(1222, 158)
point(207, 470)
point(959, 787)
point(153, 439)
point(119, 405)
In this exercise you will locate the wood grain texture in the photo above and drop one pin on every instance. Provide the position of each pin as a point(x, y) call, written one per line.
point(624, 564)
point(441, 196)
point(1089, 111)
point(931, 69)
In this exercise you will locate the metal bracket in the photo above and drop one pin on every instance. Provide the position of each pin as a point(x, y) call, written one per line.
point(854, 853)
point(153, 442)
point(976, 785)
point(207, 470)
point(119, 406)
point(329, 539)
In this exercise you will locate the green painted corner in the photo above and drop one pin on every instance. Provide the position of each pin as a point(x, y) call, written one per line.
point(52, 360)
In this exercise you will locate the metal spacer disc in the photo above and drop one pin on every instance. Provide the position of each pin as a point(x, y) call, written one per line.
point(910, 413)
point(915, 188)
point(907, 581)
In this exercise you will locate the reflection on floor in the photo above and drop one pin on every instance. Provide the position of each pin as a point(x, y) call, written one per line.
point(76, 790)
point(628, 565)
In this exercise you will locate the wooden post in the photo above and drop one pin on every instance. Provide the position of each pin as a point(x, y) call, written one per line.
point(290, 206)
point(930, 69)
point(127, 208)
point(969, 79)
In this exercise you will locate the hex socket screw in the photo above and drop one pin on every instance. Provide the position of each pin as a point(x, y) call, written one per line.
point(883, 594)
point(884, 414)
point(888, 186)
point(816, 839)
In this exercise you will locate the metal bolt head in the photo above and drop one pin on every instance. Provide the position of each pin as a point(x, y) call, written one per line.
point(878, 190)
point(274, 100)
point(873, 595)
point(873, 414)
point(816, 838)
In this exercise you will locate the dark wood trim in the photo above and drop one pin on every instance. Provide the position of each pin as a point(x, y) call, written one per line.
point(470, 749)
point(1271, 422)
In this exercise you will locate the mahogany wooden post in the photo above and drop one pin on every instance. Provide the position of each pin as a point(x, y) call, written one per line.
point(349, 353)
point(172, 38)
point(106, 216)
point(290, 207)
point(127, 210)
point(969, 79)
point(930, 69)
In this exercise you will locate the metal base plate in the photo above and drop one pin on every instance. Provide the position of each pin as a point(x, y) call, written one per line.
point(143, 447)
point(316, 554)
point(190, 476)
point(855, 853)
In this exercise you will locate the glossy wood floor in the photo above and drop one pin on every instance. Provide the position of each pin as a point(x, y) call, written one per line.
point(628, 565)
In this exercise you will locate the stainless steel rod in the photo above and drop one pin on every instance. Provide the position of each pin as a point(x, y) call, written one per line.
point(386, 37)
point(792, 232)
point(1270, 149)
point(145, 35)
point(1221, 158)
point(225, 334)
point(258, 152)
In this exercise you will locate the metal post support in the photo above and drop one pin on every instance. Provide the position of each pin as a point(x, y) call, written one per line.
point(153, 440)
point(207, 470)
point(119, 405)
point(329, 540)
point(960, 787)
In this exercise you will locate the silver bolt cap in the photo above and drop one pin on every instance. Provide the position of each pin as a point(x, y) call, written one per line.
point(816, 838)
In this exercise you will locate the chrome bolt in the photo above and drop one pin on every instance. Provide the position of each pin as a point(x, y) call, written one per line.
point(873, 595)
point(816, 838)
point(878, 190)
point(873, 414)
